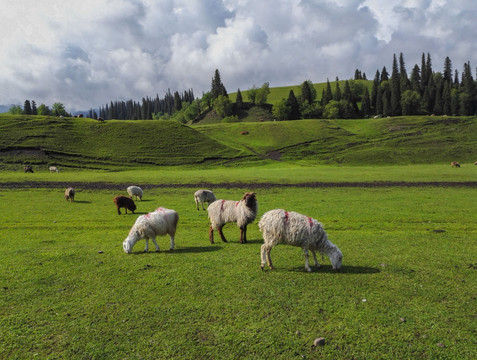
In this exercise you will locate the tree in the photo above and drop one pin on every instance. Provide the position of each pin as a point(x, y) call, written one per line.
point(262, 94)
point(337, 96)
point(327, 95)
point(34, 110)
point(177, 102)
point(239, 101)
point(222, 106)
point(331, 110)
point(366, 104)
point(448, 70)
point(404, 81)
point(306, 93)
point(252, 94)
point(292, 103)
point(410, 102)
point(415, 81)
point(395, 89)
point(27, 108)
point(374, 90)
point(218, 87)
point(15, 110)
point(384, 74)
point(44, 110)
point(281, 110)
point(58, 109)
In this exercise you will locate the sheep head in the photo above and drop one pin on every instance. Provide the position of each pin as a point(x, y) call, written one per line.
point(336, 258)
point(128, 244)
point(250, 200)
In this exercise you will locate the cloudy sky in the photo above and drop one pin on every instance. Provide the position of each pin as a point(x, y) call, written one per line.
point(85, 53)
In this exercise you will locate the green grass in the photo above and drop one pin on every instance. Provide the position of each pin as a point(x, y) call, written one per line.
point(68, 290)
point(120, 145)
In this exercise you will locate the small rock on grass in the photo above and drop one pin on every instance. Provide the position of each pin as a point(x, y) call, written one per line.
point(319, 342)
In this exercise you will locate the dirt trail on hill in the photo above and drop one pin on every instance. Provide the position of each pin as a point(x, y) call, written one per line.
point(231, 185)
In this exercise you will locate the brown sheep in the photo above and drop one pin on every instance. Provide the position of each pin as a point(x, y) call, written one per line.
point(455, 164)
point(28, 169)
point(125, 202)
point(70, 194)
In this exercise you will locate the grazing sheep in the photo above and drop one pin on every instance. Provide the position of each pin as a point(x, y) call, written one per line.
point(242, 212)
point(202, 196)
point(53, 169)
point(475, 163)
point(282, 227)
point(160, 222)
point(70, 194)
point(135, 191)
point(27, 169)
point(125, 202)
point(455, 164)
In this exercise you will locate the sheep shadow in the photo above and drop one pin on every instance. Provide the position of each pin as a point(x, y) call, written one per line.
point(345, 270)
point(184, 250)
point(82, 202)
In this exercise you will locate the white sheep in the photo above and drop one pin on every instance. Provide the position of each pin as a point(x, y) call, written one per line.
point(135, 191)
point(160, 222)
point(53, 169)
point(282, 227)
point(242, 212)
point(202, 196)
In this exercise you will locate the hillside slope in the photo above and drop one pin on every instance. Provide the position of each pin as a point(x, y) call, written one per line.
point(115, 145)
point(87, 143)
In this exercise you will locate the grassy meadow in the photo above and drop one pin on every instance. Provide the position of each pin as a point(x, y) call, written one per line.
point(407, 288)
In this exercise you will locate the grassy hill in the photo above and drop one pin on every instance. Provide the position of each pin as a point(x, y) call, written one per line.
point(114, 145)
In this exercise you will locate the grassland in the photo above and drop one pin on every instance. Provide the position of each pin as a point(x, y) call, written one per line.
point(117, 145)
point(407, 288)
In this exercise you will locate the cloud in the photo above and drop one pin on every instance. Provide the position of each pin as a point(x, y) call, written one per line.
point(85, 53)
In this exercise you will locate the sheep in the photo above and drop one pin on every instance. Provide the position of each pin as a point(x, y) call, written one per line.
point(242, 212)
point(202, 196)
point(455, 164)
point(125, 202)
point(70, 194)
point(53, 169)
point(282, 227)
point(135, 191)
point(160, 222)
point(27, 169)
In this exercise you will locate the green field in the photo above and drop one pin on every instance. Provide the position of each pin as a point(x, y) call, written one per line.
point(407, 288)
point(405, 220)
point(119, 145)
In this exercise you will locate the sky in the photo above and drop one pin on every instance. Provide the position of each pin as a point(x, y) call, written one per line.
point(86, 53)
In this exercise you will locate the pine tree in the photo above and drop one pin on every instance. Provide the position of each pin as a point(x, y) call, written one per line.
point(34, 110)
point(374, 90)
point(337, 96)
point(292, 103)
point(404, 81)
point(239, 101)
point(395, 90)
point(177, 102)
point(328, 94)
point(306, 93)
point(366, 103)
point(384, 74)
point(415, 81)
point(448, 70)
point(424, 74)
point(446, 98)
point(27, 107)
point(218, 87)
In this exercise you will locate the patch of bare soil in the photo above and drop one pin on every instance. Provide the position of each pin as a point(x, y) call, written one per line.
point(231, 185)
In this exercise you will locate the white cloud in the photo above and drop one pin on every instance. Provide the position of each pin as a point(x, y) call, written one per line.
point(85, 53)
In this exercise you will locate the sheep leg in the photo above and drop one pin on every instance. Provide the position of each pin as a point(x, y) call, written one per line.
point(222, 234)
point(172, 242)
point(211, 235)
point(265, 252)
point(203, 208)
point(147, 245)
point(119, 210)
point(307, 266)
point(317, 264)
point(243, 235)
point(155, 243)
point(197, 204)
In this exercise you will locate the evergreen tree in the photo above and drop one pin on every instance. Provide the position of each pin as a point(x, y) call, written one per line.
point(374, 91)
point(446, 98)
point(448, 70)
point(395, 90)
point(328, 94)
point(292, 103)
point(379, 101)
point(384, 74)
point(438, 102)
point(455, 102)
point(404, 81)
point(424, 74)
point(34, 109)
point(218, 87)
point(415, 81)
point(239, 101)
point(27, 108)
point(306, 93)
point(177, 102)
point(337, 95)
point(366, 104)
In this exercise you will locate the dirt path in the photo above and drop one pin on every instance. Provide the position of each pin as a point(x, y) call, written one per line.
point(232, 185)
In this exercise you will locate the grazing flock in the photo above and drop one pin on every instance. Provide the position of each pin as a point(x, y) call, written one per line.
point(277, 226)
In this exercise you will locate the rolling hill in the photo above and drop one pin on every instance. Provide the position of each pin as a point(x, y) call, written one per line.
point(115, 145)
